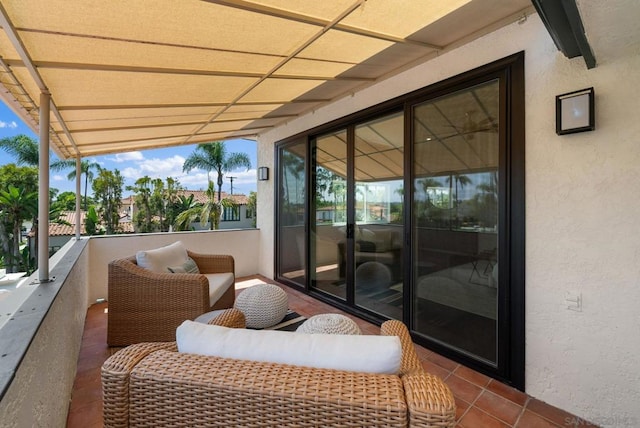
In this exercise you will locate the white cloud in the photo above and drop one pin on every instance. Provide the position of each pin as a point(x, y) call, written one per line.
point(57, 177)
point(155, 168)
point(128, 157)
point(196, 179)
point(12, 124)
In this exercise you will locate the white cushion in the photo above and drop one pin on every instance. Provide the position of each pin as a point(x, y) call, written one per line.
point(365, 353)
point(218, 284)
point(159, 259)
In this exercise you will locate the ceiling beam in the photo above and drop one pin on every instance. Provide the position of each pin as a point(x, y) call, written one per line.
point(181, 71)
point(312, 20)
point(187, 105)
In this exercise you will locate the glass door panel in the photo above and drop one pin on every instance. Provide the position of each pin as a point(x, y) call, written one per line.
point(291, 213)
point(379, 229)
point(455, 220)
point(329, 214)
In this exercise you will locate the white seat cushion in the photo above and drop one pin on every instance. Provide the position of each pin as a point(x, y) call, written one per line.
point(159, 259)
point(218, 284)
point(365, 353)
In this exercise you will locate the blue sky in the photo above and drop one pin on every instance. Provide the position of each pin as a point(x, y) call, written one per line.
point(158, 163)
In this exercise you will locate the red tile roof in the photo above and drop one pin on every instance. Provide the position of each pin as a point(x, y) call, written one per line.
point(58, 229)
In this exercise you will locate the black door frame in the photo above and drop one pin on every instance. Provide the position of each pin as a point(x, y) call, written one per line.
point(511, 315)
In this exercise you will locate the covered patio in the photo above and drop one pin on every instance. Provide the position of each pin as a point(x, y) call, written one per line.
point(109, 77)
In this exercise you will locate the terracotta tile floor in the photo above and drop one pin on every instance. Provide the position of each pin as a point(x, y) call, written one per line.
point(481, 401)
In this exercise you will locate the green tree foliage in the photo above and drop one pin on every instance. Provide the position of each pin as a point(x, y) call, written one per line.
point(16, 206)
point(107, 189)
point(253, 206)
point(143, 218)
point(214, 157)
point(157, 204)
point(182, 204)
point(66, 201)
point(92, 223)
point(25, 179)
point(86, 167)
point(23, 148)
point(171, 208)
point(208, 213)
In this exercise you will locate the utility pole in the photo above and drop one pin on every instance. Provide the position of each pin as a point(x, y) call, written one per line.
point(231, 180)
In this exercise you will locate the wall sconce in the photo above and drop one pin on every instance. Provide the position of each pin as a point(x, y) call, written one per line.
point(575, 112)
point(263, 173)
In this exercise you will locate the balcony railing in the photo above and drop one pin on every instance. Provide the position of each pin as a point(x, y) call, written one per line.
point(42, 334)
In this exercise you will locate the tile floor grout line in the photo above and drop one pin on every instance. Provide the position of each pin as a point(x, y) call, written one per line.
point(524, 408)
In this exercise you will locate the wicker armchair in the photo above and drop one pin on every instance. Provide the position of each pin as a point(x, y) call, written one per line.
point(151, 384)
point(146, 306)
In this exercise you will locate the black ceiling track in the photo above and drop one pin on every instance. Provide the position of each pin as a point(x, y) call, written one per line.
point(562, 19)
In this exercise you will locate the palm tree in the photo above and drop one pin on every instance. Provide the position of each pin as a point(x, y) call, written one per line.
point(461, 180)
point(214, 157)
point(86, 168)
point(16, 205)
point(209, 212)
point(23, 148)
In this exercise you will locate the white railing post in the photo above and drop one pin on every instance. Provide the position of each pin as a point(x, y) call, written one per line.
point(43, 190)
point(78, 197)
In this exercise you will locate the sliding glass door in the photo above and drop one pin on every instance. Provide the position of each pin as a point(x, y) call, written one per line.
point(379, 221)
point(291, 260)
point(328, 238)
point(455, 220)
point(414, 210)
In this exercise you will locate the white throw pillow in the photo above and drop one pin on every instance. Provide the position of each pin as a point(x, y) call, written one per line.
point(159, 259)
point(364, 353)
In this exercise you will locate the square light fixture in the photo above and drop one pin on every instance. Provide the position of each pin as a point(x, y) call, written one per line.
point(263, 173)
point(575, 112)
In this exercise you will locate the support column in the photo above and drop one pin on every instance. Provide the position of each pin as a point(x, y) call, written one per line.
point(43, 190)
point(78, 197)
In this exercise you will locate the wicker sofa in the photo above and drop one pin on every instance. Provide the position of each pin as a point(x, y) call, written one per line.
point(146, 306)
point(151, 384)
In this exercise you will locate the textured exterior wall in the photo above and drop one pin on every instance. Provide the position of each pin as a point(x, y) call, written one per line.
point(266, 207)
point(40, 392)
point(582, 206)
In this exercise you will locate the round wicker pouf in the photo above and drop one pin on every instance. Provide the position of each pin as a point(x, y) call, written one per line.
point(329, 324)
point(263, 305)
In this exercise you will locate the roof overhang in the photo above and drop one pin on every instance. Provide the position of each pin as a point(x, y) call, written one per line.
point(564, 24)
point(129, 76)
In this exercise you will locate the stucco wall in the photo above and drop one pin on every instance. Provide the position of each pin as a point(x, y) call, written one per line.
point(39, 394)
point(265, 210)
point(582, 201)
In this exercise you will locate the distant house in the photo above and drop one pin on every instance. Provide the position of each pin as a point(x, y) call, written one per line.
point(64, 229)
point(238, 217)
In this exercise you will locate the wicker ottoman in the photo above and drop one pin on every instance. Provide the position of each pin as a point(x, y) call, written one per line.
point(232, 318)
point(329, 324)
point(263, 305)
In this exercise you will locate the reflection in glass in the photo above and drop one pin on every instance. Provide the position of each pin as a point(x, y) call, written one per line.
point(329, 213)
point(379, 170)
point(291, 196)
point(455, 220)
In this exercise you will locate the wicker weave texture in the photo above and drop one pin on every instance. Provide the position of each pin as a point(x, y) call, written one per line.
point(146, 306)
point(263, 305)
point(224, 392)
point(232, 318)
point(115, 380)
point(153, 385)
point(329, 324)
